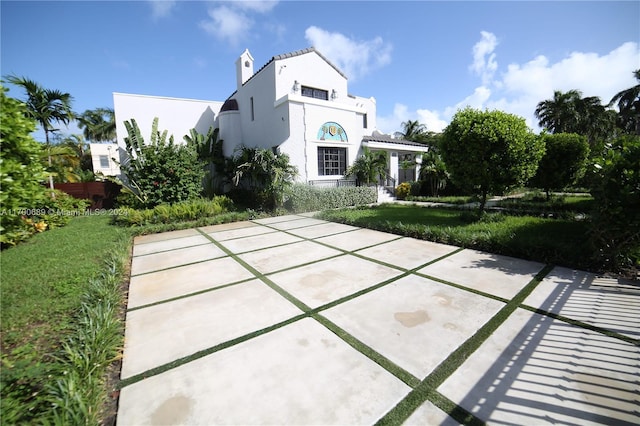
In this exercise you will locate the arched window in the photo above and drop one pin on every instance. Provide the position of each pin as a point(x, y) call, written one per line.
point(332, 131)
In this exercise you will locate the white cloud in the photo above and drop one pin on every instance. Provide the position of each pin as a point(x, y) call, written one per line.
point(232, 22)
point(393, 123)
point(519, 88)
point(260, 6)
point(227, 24)
point(484, 58)
point(161, 8)
point(354, 58)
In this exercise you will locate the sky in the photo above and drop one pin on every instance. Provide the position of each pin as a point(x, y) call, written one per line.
point(420, 60)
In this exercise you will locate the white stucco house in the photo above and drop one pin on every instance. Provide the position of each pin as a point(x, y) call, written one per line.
point(297, 103)
point(103, 158)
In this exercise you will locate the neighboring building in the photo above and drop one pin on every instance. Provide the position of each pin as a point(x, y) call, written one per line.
point(297, 103)
point(105, 158)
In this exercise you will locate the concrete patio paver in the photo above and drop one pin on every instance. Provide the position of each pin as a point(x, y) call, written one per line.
point(162, 333)
point(494, 274)
point(414, 322)
point(328, 280)
point(407, 253)
point(537, 370)
point(301, 321)
point(170, 283)
point(609, 303)
point(169, 259)
point(282, 257)
point(298, 374)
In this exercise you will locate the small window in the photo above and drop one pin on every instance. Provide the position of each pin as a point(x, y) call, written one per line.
point(253, 115)
point(364, 121)
point(332, 161)
point(104, 162)
point(310, 92)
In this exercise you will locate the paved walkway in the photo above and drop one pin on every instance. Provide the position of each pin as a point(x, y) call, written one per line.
point(294, 320)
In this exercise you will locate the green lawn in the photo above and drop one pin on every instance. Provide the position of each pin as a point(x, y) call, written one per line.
point(43, 282)
point(557, 241)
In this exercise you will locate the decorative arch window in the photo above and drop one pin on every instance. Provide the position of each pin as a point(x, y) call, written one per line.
point(332, 131)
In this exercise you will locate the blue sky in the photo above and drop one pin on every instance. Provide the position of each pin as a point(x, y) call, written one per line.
point(420, 59)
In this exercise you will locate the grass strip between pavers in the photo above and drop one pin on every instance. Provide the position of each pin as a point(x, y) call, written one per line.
point(200, 354)
point(578, 323)
point(195, 293)
point(427, 389)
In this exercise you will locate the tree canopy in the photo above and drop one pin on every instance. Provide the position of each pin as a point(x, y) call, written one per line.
point(489, 151)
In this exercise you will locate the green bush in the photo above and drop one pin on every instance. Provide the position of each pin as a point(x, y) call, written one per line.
point(564, 162)
point(161, 171)
point(306, 198)
point(403, 190)
point(489, 152)
point(21, 172)
point(178, 212)
point(615, 227)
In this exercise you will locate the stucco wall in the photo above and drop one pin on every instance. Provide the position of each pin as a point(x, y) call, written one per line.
point(177, 116)
point(111, 151)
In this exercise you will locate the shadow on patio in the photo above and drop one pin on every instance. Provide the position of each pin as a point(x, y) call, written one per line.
point(561, 366)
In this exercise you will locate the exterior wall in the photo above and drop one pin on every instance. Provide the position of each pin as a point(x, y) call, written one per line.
point(111, 151)
point(177, 116)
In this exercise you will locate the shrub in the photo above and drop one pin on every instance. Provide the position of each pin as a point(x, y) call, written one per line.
point(179, 212)
point(615, 227)
point(306, 198)
point(403, 190)
point(21, 171)
point(563, 163)
point(488, 152)
point(161, 172)
point(264, 174)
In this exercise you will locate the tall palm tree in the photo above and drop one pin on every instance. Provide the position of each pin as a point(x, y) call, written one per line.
point(98, 124)
point(47, 107)
point(560, 114)
point(413, 130)
point(628, 102)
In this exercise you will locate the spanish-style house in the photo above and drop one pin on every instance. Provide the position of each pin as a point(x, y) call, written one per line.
point(297, 103)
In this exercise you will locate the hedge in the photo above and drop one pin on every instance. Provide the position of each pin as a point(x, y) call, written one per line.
point(306, 198)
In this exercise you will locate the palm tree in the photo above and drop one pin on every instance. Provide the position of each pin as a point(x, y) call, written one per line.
point(412, 130)
point(560, 114)
point(629, 106)
point(47, 107)
point(98, 124)
point(369, 167)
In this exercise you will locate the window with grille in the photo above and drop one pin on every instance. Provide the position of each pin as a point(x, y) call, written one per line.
point(310, 92)
point(332, 161)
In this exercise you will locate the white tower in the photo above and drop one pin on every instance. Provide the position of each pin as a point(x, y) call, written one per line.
point(244, 67)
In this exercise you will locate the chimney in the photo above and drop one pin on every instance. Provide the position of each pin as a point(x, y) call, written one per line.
point(244, 68)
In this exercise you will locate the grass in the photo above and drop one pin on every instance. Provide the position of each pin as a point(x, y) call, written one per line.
point(447, 200)
point(45, 284)
point(537, 203)
point(557, 241)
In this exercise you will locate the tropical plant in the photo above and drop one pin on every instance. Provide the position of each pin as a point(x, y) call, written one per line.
point(403, 190)
point(628, 102)
point(489, 151)
point(21, 172)
point(99, 125)
point(563, 163)
point(560, 114)
point(369, 167)
point(209, 150)
point(46, 106)
point(266, 175)
point(615, 222)
point(434, 172)
point(571, 113)
point(160, 171)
